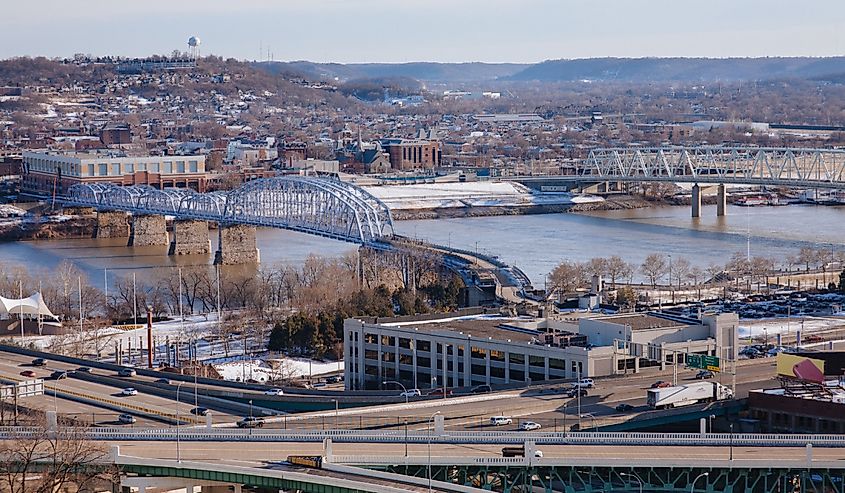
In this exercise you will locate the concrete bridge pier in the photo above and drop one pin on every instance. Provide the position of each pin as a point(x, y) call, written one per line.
point(112, 224)
point(190, 237)
point(696, 200)
point(148, 230)
point(236, 245)
point(721, 200)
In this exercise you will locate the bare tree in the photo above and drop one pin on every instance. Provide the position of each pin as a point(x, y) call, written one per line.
point(654, 267)
point(567, 277)
point(617, 269)
point(680, 269)
point(48, 462)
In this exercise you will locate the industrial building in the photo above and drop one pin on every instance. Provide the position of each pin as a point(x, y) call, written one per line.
point(410, 154)
point(45, 173)
point(467, 350)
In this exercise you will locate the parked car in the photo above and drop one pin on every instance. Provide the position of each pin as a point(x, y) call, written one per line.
point(128, 391)
point(481, 389)
point(165, 381)
point(84, 369)
point(703, 374)
point(623, 408)
point(411, 393)
point(250, 422)
point(529, 426)
point(585, 383)
point(28, 374)
point(333, 379)
point(500, 420)
point(440, 392)
point(274, 392)
point(319, 385)
point(126, 419)
point(126, 372)
point(199, 411)
point(660, 384)
point(576, 391)
point(39, 362)
point(58, 375)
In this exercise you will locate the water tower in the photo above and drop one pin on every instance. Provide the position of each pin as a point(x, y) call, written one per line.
point(194, 47)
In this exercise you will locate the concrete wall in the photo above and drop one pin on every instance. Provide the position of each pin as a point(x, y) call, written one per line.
point(148, 230)
point(237, 245)
point(190, 237)
point(112, 224)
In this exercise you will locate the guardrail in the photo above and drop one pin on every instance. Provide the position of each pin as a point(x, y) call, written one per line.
point(486, 437)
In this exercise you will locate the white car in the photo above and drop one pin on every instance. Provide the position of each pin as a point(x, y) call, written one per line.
point(500, 420)
point(129, 391)
point(586, 383)
point(274, 392)
point(411, 393)
point(529, 426)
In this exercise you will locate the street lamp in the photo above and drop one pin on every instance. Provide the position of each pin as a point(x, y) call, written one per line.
point(404, 390)
point(710, 420)
point(640, 481)
point(336, 406)
point(593, 418)
point(178, 453)
point(702, 475)
point(429, 448)
point(731, 448)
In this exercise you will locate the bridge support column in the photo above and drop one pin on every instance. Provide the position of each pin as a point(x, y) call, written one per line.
point(112, 224)
point(148, 230)
point(696, 200)
point(190, 237)
point(721, 201)
point(236, 245)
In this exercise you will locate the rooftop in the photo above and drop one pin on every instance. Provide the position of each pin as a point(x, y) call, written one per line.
point(641, 321)
point(479, 327)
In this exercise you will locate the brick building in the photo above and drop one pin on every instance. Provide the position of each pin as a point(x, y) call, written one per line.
point(410, 154)
point(46, 172)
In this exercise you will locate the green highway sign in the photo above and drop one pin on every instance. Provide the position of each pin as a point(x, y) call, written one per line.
point(704, 362)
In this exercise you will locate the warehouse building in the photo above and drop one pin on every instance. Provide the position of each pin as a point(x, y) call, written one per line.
point(461, 350)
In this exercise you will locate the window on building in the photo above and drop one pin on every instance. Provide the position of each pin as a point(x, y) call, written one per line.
point(424, 346)
point(168, 167)
point(478, 353)
point(557, 364)
point(154, 167)
point(180, 167)
point(115, 169)
point(404, 343)
point(370, 338)
point(496, 355)
point(478, 370)
point(388, 356)
point(192, 166)
point(388, 340)
point(406, 359)
point(371, 354)
point(129, 168)
point(537, 377)
point(538, 361)
point(516, 358)
point(104, 169)
point(141, 167)
point(423, 362)
point(517, 374)
point(497, 372)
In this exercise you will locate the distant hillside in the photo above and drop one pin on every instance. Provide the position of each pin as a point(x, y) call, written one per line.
point(424, 71)
point(680, 69)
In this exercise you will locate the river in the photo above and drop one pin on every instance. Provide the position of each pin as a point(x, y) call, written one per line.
point(535, 243)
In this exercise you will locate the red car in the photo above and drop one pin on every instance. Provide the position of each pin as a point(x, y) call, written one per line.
point(28, 373)
point(660, 384)
point(440, 392)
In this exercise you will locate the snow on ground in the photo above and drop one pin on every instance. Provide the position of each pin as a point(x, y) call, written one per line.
point(257, 369)
point(806, 325)
point(471, 194)
point(8, 211)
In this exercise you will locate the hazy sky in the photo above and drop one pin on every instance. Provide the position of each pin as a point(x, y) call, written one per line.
point(425, 30)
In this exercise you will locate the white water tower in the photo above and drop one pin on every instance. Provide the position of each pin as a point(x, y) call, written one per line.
point(194, 47)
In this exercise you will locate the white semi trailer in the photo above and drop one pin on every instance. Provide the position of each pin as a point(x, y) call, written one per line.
point(686, 395)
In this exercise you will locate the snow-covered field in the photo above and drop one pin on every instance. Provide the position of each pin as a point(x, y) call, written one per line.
point(772, 326)
point(470, 194)
point(261, 370)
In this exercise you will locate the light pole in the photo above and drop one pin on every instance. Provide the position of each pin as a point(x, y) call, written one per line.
point(640, 481)
point(336, 406)
point(429, 448)
point(702, 475)
point(731, 446)
point(404, 390)
point(592, 418)
point(178, 453)
point(710, 420)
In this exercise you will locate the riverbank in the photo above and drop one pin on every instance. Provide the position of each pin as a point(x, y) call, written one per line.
point(47, 228)
point(621, 202)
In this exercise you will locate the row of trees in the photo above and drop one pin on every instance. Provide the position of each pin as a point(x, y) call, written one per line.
point(569, 276)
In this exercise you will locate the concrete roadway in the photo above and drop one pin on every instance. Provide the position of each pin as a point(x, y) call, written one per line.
point(10, 368)
point(257, 453)
point(537, 404)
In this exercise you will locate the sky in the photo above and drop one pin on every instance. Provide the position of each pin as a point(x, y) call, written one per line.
point(347, 31)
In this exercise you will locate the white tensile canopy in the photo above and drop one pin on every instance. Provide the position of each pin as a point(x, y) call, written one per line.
point(33, 306)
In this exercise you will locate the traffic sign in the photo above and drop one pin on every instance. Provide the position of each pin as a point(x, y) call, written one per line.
point(704, 362)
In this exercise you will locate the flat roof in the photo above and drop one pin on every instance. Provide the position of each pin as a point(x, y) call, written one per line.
point(641, 321)
point(479, 327)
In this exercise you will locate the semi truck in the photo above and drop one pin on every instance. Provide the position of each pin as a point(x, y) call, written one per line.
point(688, 394)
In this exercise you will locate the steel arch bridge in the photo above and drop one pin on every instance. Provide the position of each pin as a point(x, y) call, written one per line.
point(319, 206)
point(774, 166)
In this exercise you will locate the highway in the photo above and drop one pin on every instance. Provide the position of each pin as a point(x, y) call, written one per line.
point(108, 397)
point(258, 453)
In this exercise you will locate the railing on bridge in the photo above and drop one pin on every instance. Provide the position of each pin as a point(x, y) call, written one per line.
point(319, 206)
point(823, 168)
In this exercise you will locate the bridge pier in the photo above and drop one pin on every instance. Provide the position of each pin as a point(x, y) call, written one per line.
point(148, 230)
point(721, 200)
point(696, 201)
point(190, 237)
point(112, 224)
point(236, 245)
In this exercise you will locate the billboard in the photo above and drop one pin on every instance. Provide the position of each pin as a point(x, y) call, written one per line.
point(800, 367)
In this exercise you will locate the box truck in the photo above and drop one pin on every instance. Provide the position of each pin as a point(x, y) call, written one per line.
point(688, 394)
